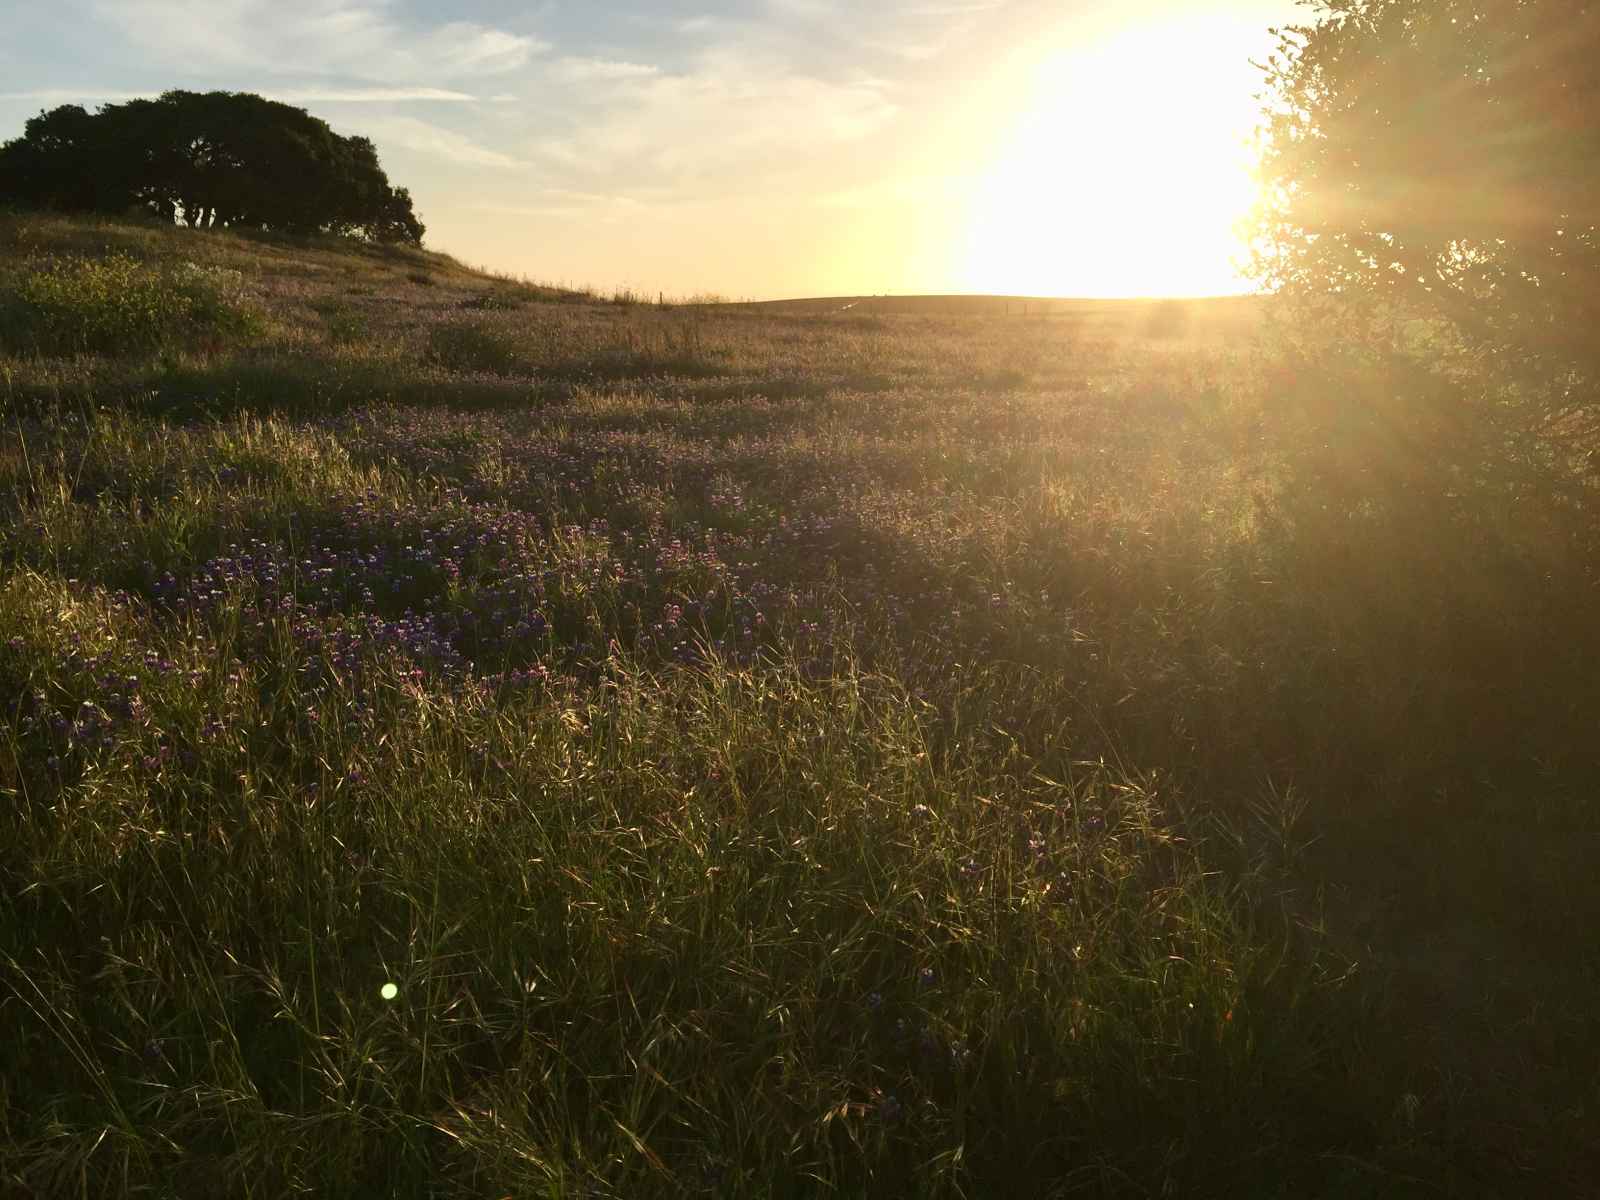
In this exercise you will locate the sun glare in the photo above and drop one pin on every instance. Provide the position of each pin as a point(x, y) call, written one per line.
point(1128, 176)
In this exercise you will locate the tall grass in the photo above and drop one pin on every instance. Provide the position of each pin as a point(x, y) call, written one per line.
point(720, 924)
point(118, 305)
point(582, 750)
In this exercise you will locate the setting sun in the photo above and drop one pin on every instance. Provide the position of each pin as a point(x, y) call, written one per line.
point(782, 149)
point(1128, 175)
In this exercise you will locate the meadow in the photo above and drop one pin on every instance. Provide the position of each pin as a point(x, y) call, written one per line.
point(460, 737)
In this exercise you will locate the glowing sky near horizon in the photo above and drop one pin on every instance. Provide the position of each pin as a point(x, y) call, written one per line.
point(755, 149)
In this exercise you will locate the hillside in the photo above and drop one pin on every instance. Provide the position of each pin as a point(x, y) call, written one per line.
point(339, 322)
point(460, 737)
point(1214, 316)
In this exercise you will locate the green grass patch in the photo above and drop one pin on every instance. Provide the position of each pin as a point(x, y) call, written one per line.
point(117, 305)
point(345, 323)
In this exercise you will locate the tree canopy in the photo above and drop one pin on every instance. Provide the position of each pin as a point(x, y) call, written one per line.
point(208, 159)
point(1443, 156)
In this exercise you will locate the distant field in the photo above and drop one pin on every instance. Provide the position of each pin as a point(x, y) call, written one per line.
point(1130, 312)
point(466, 738)
point(1216, 319)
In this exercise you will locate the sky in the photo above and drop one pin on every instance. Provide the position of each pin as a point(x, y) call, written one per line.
point(752, 150)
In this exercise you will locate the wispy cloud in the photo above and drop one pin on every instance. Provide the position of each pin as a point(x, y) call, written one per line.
point(955, 9)
point(736, 110)
point(583, 70)
point(808, 9)
point(564, 203)
point(367, 95)
point(71, 95)
point(362, 41)
point(424, 137)
point(370, 95)
point(926, 31)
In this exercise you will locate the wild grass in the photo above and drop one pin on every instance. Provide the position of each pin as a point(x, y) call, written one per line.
point(771, 753)
point(116, 305)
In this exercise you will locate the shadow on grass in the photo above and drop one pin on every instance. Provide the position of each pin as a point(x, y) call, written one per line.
point(309, 385)
point(312, 383)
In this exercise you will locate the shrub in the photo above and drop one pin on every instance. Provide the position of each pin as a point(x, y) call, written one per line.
point(117, 305)
point(504, 300)
point(1438, 162)
point(345, 324)
point(465, 346)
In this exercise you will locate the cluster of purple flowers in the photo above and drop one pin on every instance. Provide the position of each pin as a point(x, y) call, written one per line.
point(463, 588)
point(103, 705)
point(806, 534)
point(725, 542)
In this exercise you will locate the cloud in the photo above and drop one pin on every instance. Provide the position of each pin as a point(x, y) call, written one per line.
point(734, 112)
point(703, 24)
point(564, 152)
point(359, 40)
point(926, 31)
point(956, 9)
point(583, 70)
point(807, 9)
point(423, 137)
point(564, 203)
point(358, 95)
point(72, 95)
point(768, 99)
point(369, 95)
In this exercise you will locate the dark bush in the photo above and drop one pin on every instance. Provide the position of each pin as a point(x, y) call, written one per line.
point(207, 159)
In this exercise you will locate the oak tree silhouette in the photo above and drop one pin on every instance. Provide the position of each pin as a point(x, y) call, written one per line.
point(208, 159)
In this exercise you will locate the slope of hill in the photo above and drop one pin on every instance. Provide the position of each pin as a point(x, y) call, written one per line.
point(1207, 316)
point(336, 322)
point(465, 738)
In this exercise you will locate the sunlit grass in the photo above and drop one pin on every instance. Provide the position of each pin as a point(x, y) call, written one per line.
point(771, 753)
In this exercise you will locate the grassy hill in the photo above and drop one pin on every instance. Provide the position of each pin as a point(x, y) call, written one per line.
point(1232, 318)
point(459, 737)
